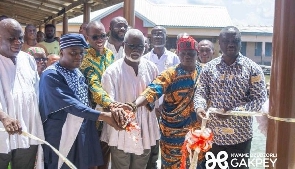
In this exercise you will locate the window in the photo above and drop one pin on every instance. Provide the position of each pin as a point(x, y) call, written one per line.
point(268, 49)
point(244, 48)
point(258, 48)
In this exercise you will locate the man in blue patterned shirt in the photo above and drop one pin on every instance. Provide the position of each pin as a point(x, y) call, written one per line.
point(230, 82)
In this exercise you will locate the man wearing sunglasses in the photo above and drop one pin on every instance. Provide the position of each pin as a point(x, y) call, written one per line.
point(124, 80)
point(118, 28)
point(95, 62)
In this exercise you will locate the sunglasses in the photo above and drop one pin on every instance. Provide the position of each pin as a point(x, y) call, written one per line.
point(132, 46)
point(96, 37)
point(41, 59)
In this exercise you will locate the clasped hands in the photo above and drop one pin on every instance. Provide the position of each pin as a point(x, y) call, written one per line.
point(120, 114)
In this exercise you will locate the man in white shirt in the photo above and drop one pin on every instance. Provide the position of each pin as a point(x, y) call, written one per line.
point(124, 81)
point(19, 89)
point(118, 28)
point(163, 60)
point(159, 54)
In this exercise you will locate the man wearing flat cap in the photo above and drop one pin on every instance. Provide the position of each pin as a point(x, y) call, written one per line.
point(68, 122)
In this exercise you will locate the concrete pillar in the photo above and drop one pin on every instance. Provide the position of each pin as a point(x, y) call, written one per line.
point(281, 135)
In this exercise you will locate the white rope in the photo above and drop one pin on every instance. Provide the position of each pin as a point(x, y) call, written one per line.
point(72, 166)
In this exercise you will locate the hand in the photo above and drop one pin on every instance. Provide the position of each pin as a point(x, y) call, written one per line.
point(223, 117)
point(120, 105)
point(262, 124)
point(201, 113)
point(109, 119)
point(12, 126)
point(119, 115)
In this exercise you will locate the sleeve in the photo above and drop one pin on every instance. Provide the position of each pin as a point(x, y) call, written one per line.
point(257, 91)
point(158, 87)
point(176, 60)
point(99, 96)
point(108, 85)
point(202, 91)
point(56, 95)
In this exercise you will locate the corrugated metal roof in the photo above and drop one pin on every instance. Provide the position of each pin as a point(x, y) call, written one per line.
point(171, 15)
point(256, 29)
point(184, 15)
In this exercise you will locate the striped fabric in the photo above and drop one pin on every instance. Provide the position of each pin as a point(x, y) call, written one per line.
point(72, 39)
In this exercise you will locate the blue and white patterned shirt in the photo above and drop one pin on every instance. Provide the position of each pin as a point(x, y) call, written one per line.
point(240, 86)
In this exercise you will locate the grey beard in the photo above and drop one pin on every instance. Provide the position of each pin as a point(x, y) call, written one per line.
point(131, 59)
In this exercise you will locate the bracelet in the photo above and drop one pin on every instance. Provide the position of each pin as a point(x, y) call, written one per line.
point(133, 105)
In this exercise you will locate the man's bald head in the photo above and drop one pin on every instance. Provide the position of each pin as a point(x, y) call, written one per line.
point(206, 42)
point(11, 37)
point(118, 19)
point(159, 28)
point(94, 25)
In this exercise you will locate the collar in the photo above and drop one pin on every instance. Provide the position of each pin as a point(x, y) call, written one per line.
point(165, 52)
point(93, 52)
point(239, 60)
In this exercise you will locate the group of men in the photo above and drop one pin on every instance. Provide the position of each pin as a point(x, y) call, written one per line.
point(81, 102)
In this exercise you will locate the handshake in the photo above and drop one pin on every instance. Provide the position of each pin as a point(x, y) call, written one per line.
point(121, 116)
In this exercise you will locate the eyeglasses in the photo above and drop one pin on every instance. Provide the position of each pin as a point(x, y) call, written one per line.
point(96, 37)
point(132, 46)
point(41, 60)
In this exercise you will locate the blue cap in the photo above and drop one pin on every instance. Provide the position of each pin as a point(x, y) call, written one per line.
point(72, 39)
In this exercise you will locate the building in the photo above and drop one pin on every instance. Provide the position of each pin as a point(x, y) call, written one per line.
point(199, 21)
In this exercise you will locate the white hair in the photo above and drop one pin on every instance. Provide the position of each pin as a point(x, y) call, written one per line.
point(133, 32)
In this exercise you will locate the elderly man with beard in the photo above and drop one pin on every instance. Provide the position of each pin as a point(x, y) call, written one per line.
point(118, 28)
point(19, 91)
point(124, 80)
point(52, 45)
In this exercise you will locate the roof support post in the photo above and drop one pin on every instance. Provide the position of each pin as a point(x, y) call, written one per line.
point(53, 22)
point(129, 12)
point(65, 24)
point(86, 12)
point(281, 135)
